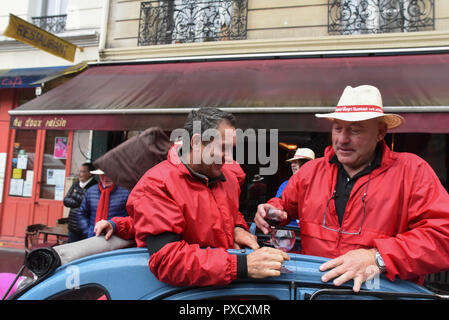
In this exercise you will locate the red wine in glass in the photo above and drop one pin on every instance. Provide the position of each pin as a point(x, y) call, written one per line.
point(273, 222)
point(273, 218)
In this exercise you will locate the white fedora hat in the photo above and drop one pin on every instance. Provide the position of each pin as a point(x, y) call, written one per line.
point(362, 103)
point(302, 153)
point(98, 171)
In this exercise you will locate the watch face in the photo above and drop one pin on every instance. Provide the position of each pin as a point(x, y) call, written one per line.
point(379, 260)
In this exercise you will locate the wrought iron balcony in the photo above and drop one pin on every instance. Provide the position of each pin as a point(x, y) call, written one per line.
point(53, 24)
point(184, 21)
point(380, 16)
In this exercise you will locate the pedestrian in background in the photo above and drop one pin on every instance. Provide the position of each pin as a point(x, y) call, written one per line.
point(74, 198)
point(101, 203)
point(302, 155)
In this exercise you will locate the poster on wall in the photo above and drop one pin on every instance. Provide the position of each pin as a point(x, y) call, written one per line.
point(60, 150)
point(22, 161)
point(28, 184)
point(56, 177)
point(59, 193)
point(16, 187)
point(17, 173)
point(27, 188)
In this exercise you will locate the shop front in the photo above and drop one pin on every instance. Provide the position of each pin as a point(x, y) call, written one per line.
point(275, 93)
point(27, 159)
point(36, 172)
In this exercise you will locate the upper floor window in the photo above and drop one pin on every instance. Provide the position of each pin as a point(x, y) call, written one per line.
point(380, 16)
point(50, 15)
point(182, 21)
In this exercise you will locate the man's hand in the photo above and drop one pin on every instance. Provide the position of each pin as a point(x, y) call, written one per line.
point(265, 262)
point(261, 215)
point(103, 226)
point(243, 238)
point(358, 265)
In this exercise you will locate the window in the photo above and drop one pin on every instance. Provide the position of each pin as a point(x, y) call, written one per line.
point(86, 292)
point(53, 168)
point(235, 291)
point(22, 175)
point(380, 16)
point(54, 7)
point(182, 21)
point(50, 15)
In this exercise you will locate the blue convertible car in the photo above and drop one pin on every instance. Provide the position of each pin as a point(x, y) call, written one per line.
point(99, 269)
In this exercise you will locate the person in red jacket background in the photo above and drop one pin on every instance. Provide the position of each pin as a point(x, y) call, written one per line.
point(369, 209)
point(185, 210)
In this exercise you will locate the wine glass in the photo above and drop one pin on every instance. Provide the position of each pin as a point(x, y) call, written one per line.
point(282, 239)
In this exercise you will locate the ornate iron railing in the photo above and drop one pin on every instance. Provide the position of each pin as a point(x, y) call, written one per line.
point(380, 16)
point(53, 24)
point(183, 21)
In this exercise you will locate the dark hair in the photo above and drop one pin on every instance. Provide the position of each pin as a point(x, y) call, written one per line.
point(89, 166)
point(210, 118)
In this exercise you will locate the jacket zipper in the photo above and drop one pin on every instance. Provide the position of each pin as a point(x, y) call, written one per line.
point(339, 238)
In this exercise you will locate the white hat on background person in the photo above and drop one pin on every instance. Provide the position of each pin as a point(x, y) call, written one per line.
point(302, 153)
point(98, 171)
point(362, 103)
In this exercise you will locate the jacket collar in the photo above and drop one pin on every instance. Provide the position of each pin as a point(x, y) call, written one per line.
point(388, 157)
point(86, 184)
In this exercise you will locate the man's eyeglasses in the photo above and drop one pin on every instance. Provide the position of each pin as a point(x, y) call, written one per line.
point(363, 217)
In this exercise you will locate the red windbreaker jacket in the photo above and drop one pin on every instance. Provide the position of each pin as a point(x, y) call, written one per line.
point(169, 199)
point(406, 213)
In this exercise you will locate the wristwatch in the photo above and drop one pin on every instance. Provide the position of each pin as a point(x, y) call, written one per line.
point(380, 262)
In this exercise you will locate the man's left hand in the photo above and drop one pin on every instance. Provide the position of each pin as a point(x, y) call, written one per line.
point(358, 265)
point(243, 238)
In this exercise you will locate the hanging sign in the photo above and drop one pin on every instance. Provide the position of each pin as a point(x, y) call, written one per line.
point(28, 33)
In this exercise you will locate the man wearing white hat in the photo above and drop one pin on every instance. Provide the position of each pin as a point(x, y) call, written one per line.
point(302, 155)
point(369, 209)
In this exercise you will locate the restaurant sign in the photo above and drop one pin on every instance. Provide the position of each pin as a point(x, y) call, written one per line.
point(108, 122)
point(30, 122)
point(28, 33)
point(65, 122)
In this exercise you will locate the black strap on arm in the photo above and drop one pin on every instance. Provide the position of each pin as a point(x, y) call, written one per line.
point(157, 242)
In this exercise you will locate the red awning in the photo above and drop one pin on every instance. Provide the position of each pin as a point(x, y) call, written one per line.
point(271, 93)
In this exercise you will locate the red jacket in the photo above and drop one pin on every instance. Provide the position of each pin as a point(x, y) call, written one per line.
point(169, 199)
point(407, 213)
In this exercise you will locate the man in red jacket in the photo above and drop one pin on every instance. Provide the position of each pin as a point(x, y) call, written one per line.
point(369, 209)
point(185, 211)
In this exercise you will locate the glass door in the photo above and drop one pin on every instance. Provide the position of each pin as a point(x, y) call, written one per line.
point(55, 153)
point(54, 165)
